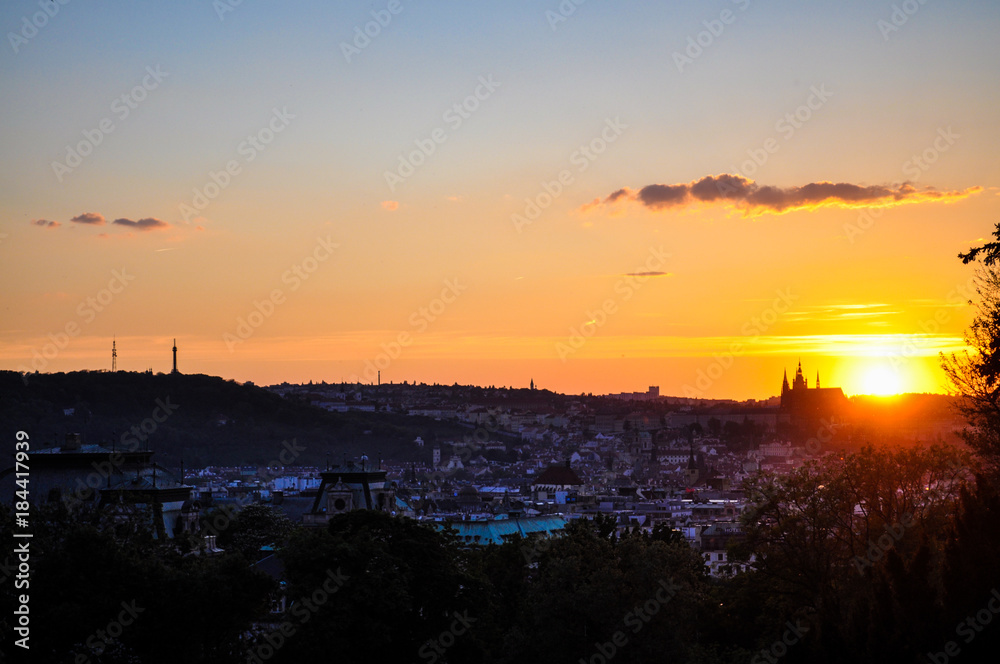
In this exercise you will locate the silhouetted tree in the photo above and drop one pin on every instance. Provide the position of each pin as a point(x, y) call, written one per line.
point(253, 527)
point(403, 585)
point(101, 594)
point(989, 252)
point(975, 375)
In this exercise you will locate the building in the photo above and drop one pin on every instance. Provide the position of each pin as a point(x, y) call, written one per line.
point(806, 403)
point(168, 501)
point(348, 487)
point(122, 481)
point(558, 478)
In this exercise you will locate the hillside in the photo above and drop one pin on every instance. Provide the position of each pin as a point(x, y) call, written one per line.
point(213, 421)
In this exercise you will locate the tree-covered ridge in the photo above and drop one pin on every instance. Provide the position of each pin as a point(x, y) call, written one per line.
point(211, 421)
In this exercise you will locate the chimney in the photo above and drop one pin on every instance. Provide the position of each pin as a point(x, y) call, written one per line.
point(73, 441)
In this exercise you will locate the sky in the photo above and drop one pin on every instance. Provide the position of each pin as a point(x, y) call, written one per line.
point(596, 196)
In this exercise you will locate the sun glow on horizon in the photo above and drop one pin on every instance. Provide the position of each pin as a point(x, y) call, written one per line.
point(882, 381)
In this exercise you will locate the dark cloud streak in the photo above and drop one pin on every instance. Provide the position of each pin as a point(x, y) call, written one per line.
point(147, 224)
point(752, 198)
point(90, 218)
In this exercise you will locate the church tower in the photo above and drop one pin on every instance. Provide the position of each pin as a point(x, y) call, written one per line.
point(691, 473)
point(800, 382)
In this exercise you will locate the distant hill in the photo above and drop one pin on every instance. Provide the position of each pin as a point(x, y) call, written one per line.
point(214, 421)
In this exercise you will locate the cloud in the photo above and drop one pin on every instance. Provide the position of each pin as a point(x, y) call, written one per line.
point(754, 199)
point(147, 224)
point(390, 205)
point(91, 218)
point(649, 274)
point(621, 193)
point(45, 223)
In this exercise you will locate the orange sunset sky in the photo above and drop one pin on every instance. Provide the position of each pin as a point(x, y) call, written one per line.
point(688, 195)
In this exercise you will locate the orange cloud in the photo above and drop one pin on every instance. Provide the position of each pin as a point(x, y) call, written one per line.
point(754, 199)
point(390, 205)
point(45, 223)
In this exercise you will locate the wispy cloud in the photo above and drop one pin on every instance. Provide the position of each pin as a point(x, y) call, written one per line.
point(45, 223)
point(754, 199)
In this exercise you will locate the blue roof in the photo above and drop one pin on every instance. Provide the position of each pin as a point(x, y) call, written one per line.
point(498, 531)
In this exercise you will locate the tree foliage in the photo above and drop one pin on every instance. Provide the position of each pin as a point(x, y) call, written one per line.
point(988, 253)
point(975, 374)
point(255, 526)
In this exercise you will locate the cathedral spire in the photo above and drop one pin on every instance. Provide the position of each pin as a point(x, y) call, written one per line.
point(799, 383)
point(817, 380)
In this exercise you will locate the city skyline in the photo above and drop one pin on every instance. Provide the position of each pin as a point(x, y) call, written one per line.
point(595, 198)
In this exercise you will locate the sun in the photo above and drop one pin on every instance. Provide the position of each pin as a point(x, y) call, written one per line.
point(881, 381)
